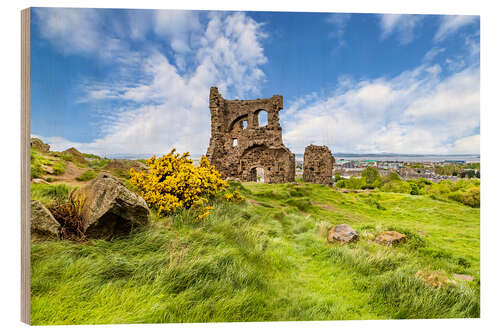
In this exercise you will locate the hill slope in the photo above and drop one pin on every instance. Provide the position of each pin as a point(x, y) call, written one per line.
point(268, 259)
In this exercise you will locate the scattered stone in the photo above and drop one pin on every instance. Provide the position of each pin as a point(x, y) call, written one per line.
point(390, 237)
point(342, 233)
point(435, 279)
point(48, 169)
point(38, 144)
point(42, 221)
point(39, 181)
point(422, 232)
point(242, 148)
point(77, 156)
point(463, 277)
point(110, 208)
point(318, 165)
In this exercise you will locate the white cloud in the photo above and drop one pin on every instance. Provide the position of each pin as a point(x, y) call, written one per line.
point(79, 31)
point(432, 53)
point(414, 112)
point(171, 107)
point(339, 22)
point(178, 26)
point(403, 25)
point(452, 23)
point(467, 145)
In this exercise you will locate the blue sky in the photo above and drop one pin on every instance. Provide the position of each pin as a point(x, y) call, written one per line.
point(137, 81)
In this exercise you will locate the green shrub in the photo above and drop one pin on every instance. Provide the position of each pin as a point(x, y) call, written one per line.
point(86, 155)
point(36, 170)
point(59, 168)
point(371, 174)
point(374, 203)
point(397, 187)
point(98, 163)
point(471, 197)
point(352, 183)
point(67, 157)
point(36, 164)
point(303, 204)
point(87, 175)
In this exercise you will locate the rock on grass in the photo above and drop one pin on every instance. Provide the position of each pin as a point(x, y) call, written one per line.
point(342, 233)
point(390, 237)
point(110, 209)
point(42, 221)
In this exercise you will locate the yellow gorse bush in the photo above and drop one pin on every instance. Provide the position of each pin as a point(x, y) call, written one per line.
point(234, 197)
point(173, 182)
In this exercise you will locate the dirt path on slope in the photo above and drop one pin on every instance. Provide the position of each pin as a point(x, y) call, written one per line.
point(69, 175)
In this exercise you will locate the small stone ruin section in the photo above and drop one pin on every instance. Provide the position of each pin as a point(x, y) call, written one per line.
point(246, 142)
point(318, 164)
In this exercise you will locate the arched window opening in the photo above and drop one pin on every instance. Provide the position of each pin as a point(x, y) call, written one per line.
point(244, 124)
point(262, 118)
point(235, 142)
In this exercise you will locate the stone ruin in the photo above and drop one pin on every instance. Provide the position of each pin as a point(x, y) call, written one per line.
point(241, 148)
point(318, 164)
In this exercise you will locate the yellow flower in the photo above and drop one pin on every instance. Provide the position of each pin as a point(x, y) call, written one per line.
point(173, 181)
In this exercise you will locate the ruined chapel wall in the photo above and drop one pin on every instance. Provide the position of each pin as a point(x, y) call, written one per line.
point(256, 146)
point(318, 164)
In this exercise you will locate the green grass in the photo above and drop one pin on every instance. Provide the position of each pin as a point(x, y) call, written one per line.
point(59, 167)
point(37, 161)
point(268, 260)
point(50, 193)
point(87, 175)
point(98, 163)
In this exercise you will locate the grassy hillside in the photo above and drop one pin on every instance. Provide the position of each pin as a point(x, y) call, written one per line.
point(266, 259)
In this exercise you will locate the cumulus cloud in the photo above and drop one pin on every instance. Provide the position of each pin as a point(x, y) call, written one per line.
point(79, 31)
point(414, 112)
point(467, 145)
point(402, 25)
point(452, 23)
point(165, 108)
point(179, 26)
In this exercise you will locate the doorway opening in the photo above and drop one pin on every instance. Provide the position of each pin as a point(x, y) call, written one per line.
point(257, 175)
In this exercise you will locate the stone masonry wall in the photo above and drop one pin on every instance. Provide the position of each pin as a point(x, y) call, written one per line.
point(318, 164)
point(239, 144)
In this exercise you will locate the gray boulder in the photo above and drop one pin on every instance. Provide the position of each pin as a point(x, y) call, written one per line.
point(42, 221)
point(110, 209)
point(342, 233)
point(38, 144)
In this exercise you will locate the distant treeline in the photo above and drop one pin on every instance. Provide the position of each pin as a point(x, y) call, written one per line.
point(468, 170)
point(464, 191)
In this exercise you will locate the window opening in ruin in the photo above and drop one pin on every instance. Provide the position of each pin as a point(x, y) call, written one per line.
point(262, 118)
point(235, 142)
point(244, 124)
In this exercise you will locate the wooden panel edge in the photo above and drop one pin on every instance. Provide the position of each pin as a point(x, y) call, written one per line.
point(25, 168)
